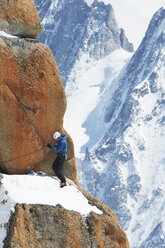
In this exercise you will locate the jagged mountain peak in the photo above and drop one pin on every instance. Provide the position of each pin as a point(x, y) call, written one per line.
point(155, 29)
point(124, 41)
point(150, 49)
point(156, 22)
point(97, 3)
point(72, 28)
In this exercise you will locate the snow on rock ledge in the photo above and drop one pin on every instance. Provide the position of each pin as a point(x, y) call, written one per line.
point(2, 33)
point(44, 189)
point(36, 212)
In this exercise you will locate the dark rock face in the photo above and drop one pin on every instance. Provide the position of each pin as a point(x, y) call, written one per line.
point(72, 28)
point(124, 41)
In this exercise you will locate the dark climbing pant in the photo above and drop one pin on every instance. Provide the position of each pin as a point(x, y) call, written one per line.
point(57, 167)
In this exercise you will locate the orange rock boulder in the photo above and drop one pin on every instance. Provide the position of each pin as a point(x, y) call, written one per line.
point(20, 18)
point(32, 106)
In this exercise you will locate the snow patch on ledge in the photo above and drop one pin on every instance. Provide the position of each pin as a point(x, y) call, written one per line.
point(2, 33)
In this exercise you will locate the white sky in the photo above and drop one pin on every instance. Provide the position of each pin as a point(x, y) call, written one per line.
point(134, 16)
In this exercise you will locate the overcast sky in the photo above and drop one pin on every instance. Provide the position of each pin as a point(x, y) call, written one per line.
point(134, 16)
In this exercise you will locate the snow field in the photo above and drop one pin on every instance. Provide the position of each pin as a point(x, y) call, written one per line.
point(90, 86)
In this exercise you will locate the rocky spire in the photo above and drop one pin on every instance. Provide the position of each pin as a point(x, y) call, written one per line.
point(87, 155)
point(125, 44)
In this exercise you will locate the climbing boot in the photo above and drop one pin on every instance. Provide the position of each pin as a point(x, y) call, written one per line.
point(62, 185)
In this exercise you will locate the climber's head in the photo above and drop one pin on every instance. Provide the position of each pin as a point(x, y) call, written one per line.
point(56, 135)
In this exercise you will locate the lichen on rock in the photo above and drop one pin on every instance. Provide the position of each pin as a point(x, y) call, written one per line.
point(20, 18)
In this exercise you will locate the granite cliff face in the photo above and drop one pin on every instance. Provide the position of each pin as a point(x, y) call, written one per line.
point(32, 97)
point(46, 226)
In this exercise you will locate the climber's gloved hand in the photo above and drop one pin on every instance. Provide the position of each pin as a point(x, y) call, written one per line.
point(48, 145)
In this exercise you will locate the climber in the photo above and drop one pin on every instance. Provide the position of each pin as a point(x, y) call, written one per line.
point(61, 148)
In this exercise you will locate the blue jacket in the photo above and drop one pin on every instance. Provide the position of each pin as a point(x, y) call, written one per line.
point(61, 146)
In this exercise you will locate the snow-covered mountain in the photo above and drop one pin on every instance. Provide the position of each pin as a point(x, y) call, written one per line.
point(125, 169)
point(71, 29)
point(133, 16)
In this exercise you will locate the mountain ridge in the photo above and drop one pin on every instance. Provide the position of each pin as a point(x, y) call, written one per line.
point(71, 29)
point(128, 150)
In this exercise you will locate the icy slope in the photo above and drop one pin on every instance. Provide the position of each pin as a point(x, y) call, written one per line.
point(38, 189)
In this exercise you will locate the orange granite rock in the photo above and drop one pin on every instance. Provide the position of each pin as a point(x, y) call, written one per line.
point(32, 106)
point(20, 18)
point(46, 226)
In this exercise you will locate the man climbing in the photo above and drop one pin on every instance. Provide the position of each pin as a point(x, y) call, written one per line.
point(61, 148)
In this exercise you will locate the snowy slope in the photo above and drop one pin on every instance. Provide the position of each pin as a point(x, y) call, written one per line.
point(125, 169)
point(38, 189)
point(82, 100)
